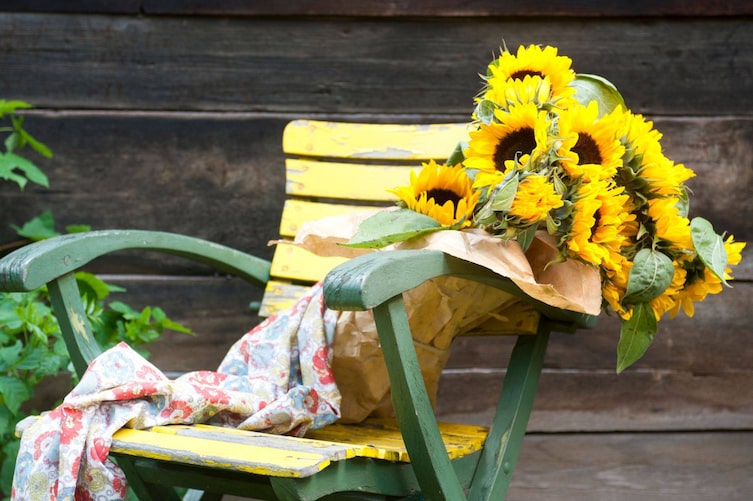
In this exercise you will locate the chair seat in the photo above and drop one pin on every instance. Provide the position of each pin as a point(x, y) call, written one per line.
point(281, 455)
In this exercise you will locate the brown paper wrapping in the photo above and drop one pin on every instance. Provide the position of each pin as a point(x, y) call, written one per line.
point(442, 308)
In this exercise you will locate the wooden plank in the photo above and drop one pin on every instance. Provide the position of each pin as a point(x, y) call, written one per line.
point(447, 8)
point(359, 66)
point(221, 177)
point(635, 467)
point(345, 181)
point(382, 142)
point(81, 6)
point(381, 439)
point(198, 450)
point(297, 212)
point(571, 400)
point(388, 9)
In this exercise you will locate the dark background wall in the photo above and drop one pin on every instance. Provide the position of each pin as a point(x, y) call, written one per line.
point(167, 115)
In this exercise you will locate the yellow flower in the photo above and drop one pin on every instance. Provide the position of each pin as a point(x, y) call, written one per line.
point(695, 291)
point(531, 89)
point(590, 146)
point(534, 199)
point(442, 192)
point(602, 223)
point(669, 224)
point(533, 61)
point(734, 254)
point(667, 300)
point(662, 175)
point(520, 131)
point(614, 283)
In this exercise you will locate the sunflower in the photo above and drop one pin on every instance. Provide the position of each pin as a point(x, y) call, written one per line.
point(603, 223)
point(531, 89)
point(669, 224)
point(533, 61)
point(662, 176)
point(534, 199)
point(521, 130)
point(442, 192)
point(590, 146)
point(667, 300)
point(614, 284)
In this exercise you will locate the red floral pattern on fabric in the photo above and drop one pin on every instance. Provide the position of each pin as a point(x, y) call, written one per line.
point(252, 389)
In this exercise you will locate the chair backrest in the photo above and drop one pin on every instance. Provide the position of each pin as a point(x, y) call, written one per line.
point(335, 168)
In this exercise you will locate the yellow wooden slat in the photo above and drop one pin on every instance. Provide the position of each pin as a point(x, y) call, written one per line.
point(312, 178)
point(376, 141)
point(294, 263)
point(297, 212)
point(381, 439)
point(334, 451)
point(280, 296)
point(259, 459)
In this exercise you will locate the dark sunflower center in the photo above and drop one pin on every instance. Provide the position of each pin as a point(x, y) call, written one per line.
point(521, 74)
point(513, 145)
point(441, 196)
point(597, 220)
point(587, 150)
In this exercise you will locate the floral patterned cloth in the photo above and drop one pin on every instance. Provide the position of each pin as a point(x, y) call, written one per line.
point(276, 378)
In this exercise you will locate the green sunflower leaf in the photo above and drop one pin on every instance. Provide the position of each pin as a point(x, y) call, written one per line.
point(388, 227)
point(485, 111)
point(636, 335)
point(596, 88)
point(457, 156)
point(504, 195)
point(650, 275)
point(709, 246)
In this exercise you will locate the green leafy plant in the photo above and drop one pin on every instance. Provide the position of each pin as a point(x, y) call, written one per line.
point(31, 345)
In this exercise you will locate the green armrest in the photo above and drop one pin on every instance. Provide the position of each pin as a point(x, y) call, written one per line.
point(35, 265)
point(369, 280)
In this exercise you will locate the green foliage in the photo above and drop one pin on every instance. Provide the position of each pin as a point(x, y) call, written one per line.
point(31, 344)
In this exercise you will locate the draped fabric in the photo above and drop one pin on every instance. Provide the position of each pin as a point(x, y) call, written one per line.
point(277, 378)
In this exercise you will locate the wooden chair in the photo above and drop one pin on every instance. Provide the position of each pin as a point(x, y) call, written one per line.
point(331, 168)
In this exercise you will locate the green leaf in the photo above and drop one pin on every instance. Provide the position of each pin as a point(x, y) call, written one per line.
point(10, 449)
point(388, 227)
point(457, 156)
point(11, 162)
point(649, 277)
point(96, 285)
point(525, 237)
point(595, 88)
point(504, 195)
point(636, 335)
point(14, 392)
point(485, 111)
point(709, 246)
point(38, 228)
point(9, 355)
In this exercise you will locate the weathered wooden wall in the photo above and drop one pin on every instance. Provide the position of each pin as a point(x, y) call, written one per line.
point(167, 115)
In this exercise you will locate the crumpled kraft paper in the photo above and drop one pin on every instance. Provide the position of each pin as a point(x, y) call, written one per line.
point(442, 308)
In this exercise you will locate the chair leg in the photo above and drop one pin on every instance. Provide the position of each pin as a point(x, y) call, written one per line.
point(497, 462)
point(413, 409)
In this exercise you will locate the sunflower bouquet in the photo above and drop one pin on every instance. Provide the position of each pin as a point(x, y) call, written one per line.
point(558, 152)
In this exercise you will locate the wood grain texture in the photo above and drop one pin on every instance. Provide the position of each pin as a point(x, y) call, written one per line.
point(390, 8)
point(675, 66)
point(632, 467)
point(221, 176)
